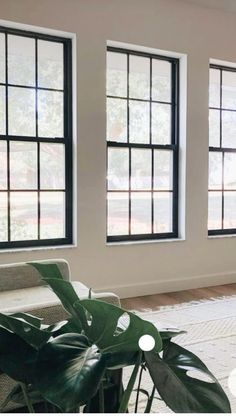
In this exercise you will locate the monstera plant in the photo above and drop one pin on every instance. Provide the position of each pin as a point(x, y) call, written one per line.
point(77, 364)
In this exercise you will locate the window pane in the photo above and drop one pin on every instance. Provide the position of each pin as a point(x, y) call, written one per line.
point(3, 217)
point(2, 110)
point(21, 111)
point(162, 212)
point(230, 210)
point(161, 124)
point(215, 170)
point(143, 119)
point(163, 169)
point(2, 58)
point(118, 168)
point(50, 64)
point(52, 215)
point(3, 165)
point(24, 221)
point(116, 74)
point(50, 114)
point(21, 60)
point(141, 213)
point(214, 210)
point(229, 89)
point(52, 166)
point(161, 80)
point(214, 91)
point(141, 169)
point(117, 120)
point(118, 213)
point(139, 116)
point(214, 128)
point(230, 171)
point(23, 165)
point(228, 129)
point(139, 77)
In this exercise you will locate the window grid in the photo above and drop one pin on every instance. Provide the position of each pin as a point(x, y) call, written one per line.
point(173, 146)
point(66, 140)
point(222, 150)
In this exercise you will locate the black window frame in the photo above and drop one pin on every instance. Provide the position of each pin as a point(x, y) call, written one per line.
point(173, 146)
point(223, 150)
point(66, 140)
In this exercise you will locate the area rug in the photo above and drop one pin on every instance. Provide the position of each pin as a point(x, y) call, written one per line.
point(211, 334)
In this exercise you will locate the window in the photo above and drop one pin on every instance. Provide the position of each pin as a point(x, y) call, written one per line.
point(222, 151)
point(142, 146)
point(35, 139)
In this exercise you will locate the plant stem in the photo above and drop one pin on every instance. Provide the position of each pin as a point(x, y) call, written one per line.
point(150, 400)
point(127, 393)
point(138, 389)
point(101, 398)
point(26, 397)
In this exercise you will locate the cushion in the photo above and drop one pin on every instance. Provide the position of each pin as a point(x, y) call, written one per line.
point(34, 298)
point(22, 275)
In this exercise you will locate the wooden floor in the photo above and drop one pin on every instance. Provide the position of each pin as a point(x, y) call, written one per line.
point(153, 302)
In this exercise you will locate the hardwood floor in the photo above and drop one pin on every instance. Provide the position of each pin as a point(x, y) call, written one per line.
point(153, 302)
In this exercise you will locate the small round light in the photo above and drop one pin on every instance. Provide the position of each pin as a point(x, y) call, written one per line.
point(146, 343)
point(232, 382)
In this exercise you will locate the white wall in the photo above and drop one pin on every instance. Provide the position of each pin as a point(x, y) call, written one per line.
point(136, 269)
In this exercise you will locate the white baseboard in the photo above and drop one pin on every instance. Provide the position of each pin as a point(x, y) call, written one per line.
point(176, 284)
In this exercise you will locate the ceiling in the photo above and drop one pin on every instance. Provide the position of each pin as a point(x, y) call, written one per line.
point(228, 5)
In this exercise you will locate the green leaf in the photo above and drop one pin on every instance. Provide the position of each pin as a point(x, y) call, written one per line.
point(180, 391)
point(34, 321)
point(170, 332)
point(47, 270)
point(68, 297)
point(63, 289)
point(69, 371)
point(117, 360)
point(29, 333)
point(65, 326)
point(113, 329)
point(16, 357)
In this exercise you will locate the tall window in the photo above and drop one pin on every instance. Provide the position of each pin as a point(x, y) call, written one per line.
point(35, 139)
point(222, 151)
point(142, 146)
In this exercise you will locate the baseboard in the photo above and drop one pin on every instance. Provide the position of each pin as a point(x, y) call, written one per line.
point(176, 284)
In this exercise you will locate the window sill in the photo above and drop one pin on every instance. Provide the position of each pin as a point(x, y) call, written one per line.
point(40, 248)
point(140, 242)
point(222, 236)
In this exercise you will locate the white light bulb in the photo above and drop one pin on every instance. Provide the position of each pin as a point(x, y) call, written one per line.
point(146, 343)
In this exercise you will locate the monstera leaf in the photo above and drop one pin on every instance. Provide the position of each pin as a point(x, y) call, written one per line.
point(168, 333)
point(66, 294)
point(117, 360)
point(62, 327)
point(69, 371)
point(113, 329)
point(29, 318)
point(25, 329)
point(16, 357)
point(174, 379)
point(47, 270)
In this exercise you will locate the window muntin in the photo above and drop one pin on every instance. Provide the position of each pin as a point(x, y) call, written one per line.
point(142, 146)
point(35, 139)
point(222, 151)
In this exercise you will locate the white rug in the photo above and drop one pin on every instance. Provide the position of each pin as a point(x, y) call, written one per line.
point(211, 334)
